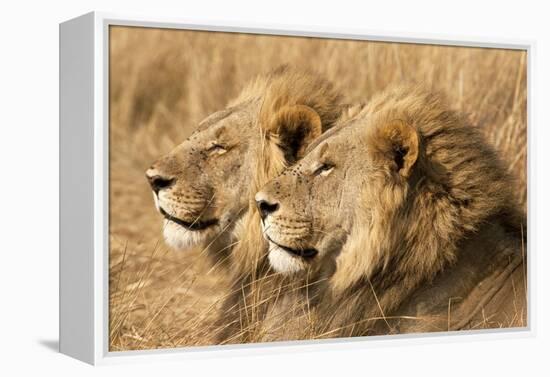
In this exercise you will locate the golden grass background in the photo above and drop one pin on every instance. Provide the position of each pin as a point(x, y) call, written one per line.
point(163, 82)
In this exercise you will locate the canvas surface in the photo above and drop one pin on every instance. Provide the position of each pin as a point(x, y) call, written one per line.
point(163, 83)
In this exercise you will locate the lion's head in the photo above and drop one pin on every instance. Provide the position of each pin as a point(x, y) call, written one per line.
point(388, 194)
point(204, 185)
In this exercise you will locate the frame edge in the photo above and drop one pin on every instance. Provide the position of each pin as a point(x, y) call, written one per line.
point(76, 194)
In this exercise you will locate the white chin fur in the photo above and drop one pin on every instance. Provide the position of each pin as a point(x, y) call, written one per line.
point(180, 238)
point(283, 262)
point(156, 199)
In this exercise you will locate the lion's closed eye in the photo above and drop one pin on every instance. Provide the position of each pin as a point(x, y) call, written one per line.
point(324, 169)
point(216, 148)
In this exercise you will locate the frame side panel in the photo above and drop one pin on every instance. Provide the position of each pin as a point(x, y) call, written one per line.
point(76, 188)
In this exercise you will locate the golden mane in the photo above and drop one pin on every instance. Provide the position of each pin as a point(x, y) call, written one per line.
point(281, 89)
point(289, 86)
point(417, 223)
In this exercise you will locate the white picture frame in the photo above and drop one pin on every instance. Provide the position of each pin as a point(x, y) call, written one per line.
point(84, 158)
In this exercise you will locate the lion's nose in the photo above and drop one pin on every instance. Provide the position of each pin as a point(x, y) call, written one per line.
point(157, 181)
point(265, 206)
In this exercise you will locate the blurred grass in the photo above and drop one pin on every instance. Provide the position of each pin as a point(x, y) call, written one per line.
point(163, 82)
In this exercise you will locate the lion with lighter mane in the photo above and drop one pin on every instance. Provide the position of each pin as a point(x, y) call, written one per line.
point(205, 187)
point(412, 217)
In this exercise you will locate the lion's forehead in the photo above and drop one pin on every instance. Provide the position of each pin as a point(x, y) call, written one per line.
point(239, 116)
point(344, 134)
point(215, 118)
point(325, 136)
point(334, 144)
point(195, 160)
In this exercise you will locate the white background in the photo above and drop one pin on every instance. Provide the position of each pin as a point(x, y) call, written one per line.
point(29, 183)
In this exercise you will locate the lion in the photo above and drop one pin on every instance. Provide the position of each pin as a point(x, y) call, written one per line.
point(409, 214)
point(205, 187)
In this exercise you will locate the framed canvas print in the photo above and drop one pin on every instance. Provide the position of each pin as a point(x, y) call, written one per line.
point(229, 189)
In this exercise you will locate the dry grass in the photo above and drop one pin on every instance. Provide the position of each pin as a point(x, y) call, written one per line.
point(163, 82)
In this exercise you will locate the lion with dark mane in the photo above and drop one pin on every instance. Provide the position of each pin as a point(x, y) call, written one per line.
point(409, 214)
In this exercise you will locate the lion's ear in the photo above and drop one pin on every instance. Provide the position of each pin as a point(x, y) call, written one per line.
point(296, 127)
point(400, 141)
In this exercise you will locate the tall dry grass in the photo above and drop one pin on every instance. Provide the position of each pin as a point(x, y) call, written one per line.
point(163, 82)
